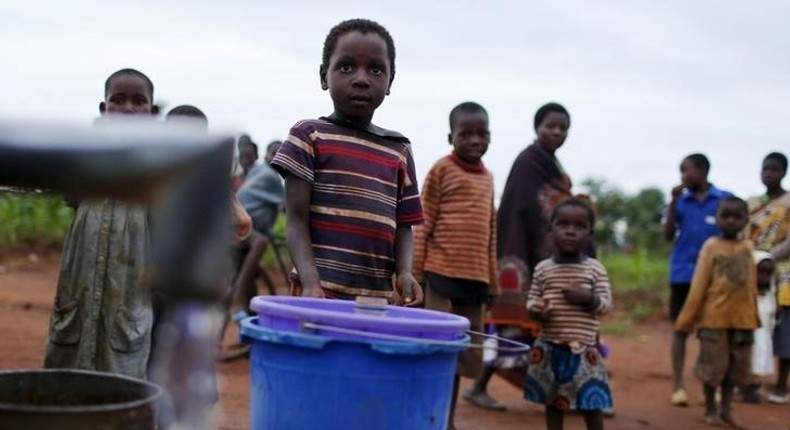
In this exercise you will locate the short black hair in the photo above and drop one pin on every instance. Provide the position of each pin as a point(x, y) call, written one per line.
point(245, 139)
point(779, 158)
point(130, 72)
point(699, 161)
point(363, 26)
point(188, 111)
point(466, 107)
point(575, 202)
point(546, 109)
point(734, 200)
point(272, 144)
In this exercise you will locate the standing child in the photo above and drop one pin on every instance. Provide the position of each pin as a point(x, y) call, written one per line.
point(762, 352)
point(102, 314)
point(247, 158)
point(569, 292)
point(722, 304)
point(351, 194)
point(455, 249)
point(691, 220)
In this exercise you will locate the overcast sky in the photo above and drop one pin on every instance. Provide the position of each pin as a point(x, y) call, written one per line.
point(646, 82)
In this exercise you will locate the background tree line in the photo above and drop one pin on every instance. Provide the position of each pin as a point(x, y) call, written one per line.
point(627, 222)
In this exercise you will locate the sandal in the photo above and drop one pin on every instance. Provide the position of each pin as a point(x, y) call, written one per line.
point(239, 315)
point(483, 400)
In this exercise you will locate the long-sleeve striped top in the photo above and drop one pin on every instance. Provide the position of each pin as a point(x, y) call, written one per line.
point(567, 323)
point(458, 238)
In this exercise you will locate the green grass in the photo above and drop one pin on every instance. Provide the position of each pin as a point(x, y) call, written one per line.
point(268, 257)
point(42, 220)
point(617, 328)
point(637, 271)
point(639, 285)
point(642, 311)
point(33, 219)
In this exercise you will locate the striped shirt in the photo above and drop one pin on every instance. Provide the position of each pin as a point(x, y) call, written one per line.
point(458, 239)
point(567, 323)
point(363, 188)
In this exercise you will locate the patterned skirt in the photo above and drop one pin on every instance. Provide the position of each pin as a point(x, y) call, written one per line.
point(567, 380)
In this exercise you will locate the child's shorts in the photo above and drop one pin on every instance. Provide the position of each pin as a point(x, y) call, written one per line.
point(559, 377)
point(724, 353)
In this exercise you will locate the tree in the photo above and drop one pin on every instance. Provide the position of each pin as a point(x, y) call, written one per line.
point(643, 217)
point(609, 207)
point(627, 220)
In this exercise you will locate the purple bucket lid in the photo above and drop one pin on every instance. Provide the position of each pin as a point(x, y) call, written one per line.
point(290, 313)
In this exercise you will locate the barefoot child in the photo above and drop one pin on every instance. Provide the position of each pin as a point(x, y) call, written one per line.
point(102, 315)
point(722, 304)
point(351, 195)
point(691, 220)
point(455, 249)
point(569, 292)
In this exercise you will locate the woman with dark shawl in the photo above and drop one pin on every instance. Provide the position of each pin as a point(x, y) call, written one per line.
point(537, 182)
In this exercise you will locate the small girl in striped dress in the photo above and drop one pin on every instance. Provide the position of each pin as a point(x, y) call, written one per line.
point(569, 292)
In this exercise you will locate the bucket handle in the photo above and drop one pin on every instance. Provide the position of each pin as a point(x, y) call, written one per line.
point(520, 347)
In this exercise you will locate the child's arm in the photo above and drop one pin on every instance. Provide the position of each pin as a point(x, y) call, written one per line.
point(602, 302)
point(242, 223)
point(537, 307)
point(597, 300)
point(781, 250)
point(405, 283)
point(431, 203)
point(670, 225)
point(699, 285)
point(297, 231)
point(493, 268)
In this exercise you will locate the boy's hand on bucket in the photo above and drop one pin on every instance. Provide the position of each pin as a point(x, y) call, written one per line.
point(315, 291)
point(298, 289)
point(409, 290)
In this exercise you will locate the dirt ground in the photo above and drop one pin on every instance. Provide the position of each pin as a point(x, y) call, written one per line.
point(639, 364)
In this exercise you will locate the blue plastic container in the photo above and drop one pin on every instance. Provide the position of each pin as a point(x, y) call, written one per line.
point(308, 379)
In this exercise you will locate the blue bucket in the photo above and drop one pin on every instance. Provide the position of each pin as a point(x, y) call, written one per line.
point(327, 364)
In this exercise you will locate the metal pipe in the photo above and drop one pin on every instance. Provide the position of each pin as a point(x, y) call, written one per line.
point(184, 175)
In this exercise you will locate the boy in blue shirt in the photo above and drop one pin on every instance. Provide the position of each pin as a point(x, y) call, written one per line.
point(691, 220)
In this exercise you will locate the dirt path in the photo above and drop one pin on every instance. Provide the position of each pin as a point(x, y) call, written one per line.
point(639, 364)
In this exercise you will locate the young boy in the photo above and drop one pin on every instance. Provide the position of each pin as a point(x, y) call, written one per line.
point(351, 191)
point(722, 304)
point(455, 249)
point(262, 194)
point(247, 157)
point(691, 220)
point(102, 315)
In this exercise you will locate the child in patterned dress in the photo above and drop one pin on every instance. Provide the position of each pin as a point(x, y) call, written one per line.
point(569, 292)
